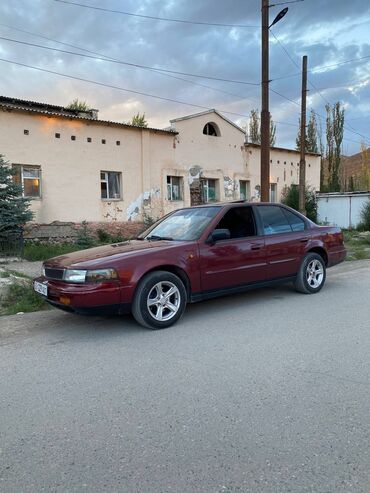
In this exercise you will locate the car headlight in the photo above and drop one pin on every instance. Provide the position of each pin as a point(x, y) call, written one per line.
point(73, 275)
point(98, 275)
point(101, 275)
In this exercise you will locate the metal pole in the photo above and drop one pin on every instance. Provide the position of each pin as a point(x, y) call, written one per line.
point(302, 163)
point(265, 114)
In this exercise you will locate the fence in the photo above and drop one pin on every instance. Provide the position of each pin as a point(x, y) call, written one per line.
point(341, 209)
point(11, 245)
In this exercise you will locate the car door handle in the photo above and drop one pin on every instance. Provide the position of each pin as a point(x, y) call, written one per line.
point(304, 240)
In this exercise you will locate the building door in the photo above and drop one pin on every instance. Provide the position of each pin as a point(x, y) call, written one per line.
point(197, 192)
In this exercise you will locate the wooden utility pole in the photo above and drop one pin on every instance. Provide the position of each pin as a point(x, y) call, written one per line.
point(302, 163)
point(265, 113)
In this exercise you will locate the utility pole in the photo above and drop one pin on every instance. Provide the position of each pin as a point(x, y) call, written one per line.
point(302, 163)
point(265, 114)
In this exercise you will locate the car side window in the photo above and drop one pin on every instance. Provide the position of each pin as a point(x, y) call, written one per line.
point(274, 220)
point(296, 223)
point(239, 221)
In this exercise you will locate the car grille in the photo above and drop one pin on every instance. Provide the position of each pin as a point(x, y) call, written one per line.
point(54, 273)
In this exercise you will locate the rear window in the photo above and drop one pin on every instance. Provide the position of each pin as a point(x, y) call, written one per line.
point(274, 220)
point(296, 223)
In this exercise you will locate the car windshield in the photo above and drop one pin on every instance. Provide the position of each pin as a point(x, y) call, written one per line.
point(184, 224)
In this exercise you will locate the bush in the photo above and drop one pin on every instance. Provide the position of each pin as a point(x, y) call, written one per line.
point(290, 197)
point(84, 237)
point(365, 216)
point(103, 236)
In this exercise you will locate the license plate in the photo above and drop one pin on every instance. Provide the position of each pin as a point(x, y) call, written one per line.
point(40, 288)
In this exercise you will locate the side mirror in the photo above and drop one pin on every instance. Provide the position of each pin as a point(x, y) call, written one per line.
point(218, 235)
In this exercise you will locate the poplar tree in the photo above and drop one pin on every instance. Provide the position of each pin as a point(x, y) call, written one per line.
point(254, 129)
point(311, 135)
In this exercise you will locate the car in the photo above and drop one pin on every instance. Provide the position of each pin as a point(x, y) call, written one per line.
point(193, 254)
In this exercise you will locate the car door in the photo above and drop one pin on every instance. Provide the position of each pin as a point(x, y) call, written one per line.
point(238, 260)
point(286, 236)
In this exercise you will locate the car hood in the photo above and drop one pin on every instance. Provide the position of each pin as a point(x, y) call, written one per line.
point(107, 254)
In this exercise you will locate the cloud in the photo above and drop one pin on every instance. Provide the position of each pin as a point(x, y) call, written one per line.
point(327, 33)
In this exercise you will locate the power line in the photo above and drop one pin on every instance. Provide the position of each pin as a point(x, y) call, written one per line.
point(321, 117)
point(115, 59)
point(111, 86)
point(104, 58)
point(152, 17)
point(313, 85)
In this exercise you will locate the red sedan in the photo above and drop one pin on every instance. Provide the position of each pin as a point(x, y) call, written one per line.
point(194, 254)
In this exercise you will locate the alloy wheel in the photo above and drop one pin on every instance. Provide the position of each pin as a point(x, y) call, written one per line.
point(163, 301)
point(314, 274)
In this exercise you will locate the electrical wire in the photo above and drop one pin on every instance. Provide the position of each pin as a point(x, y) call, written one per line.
point(314, 87)
point(104, 58)
point(152, 17)
point(111, 86)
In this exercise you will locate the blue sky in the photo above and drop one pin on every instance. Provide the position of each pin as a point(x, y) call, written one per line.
point(334, 35)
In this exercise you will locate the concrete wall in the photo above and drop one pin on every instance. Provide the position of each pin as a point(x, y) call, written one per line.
point(71, 168)
point(341, 209)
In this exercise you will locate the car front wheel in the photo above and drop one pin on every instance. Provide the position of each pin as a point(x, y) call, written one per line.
point(160, 300)
point(311, 275)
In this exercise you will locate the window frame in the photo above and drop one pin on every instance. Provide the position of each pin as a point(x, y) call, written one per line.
point(33, 167)
point(255, 221)
point(106, 181)
point(170, 185)
point(247, 184)
point(206, 187)
point(271, 192)
point(260, 222)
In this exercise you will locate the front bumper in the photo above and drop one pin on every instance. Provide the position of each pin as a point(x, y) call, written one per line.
point(89, 298)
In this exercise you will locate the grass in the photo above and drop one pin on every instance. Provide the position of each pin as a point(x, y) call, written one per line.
point(358, 247)
point(21, 298)
point(34, 251)
point(4, 275)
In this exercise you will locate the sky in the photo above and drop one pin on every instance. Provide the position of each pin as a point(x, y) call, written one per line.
point(220, 43)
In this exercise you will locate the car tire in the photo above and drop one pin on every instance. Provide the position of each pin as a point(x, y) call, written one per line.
point(311, 275)
point(160, 300)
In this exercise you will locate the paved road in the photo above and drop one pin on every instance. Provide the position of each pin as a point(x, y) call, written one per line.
point(263, 392)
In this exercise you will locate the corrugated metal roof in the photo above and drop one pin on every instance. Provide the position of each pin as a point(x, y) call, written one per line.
point(60, 111)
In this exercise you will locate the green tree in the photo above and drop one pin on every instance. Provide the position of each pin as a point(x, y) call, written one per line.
point(290, 197)
point(254, 133)
point(139, 121)
point(334, 139)
point(311, 135)
point(14, 208)
point(365, 174)
point(78, 105)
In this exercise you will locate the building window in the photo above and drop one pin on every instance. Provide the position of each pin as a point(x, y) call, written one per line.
point(244, 188)
point(88, 139)
point(30, 179)
point(174, 188)
point(26, 132)
point(73, 137)
point(118, 142)
point(110, 185)
point(211, 129)
point(273, 192)
point(209, 190)
point(103, 141)
point(57, 135)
